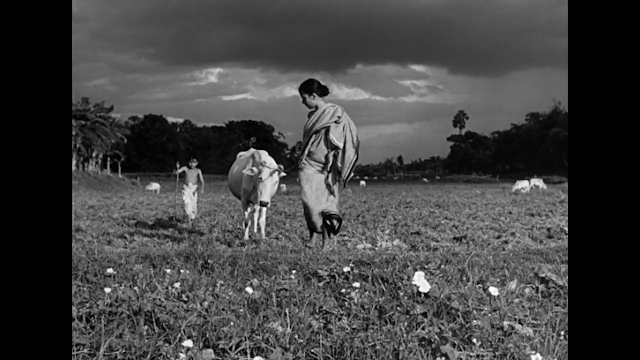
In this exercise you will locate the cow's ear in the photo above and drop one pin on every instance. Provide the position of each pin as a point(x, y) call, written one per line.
point(251, 171)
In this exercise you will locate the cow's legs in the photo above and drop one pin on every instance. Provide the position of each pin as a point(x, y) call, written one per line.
point(263, 221)
point(246, 223)
point(256, 213)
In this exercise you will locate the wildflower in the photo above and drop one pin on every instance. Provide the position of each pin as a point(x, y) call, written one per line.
point(346, 269)
point(176, 285)
point(187, 343)
point(293, 272)
point(207, 354)
point(168, 271)
point(184, 271)
point(107, 290)
point(356, 284)
point(476, 341)
point(249, 290)
point(536, 356)
point(110, 271)
point(343, 291)
point(421, 282)
point(494, 291)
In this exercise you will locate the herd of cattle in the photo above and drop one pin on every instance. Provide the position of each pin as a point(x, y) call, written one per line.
point(255, 176)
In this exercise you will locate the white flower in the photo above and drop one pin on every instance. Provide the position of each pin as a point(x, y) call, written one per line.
point(293, 272)
point(184, 271)
point(356, 284)
point(107, 290)
point(249, 290)
point(476, 341)
point(494, 291)
point(536, 356)
point(422, 283)
point(110, 271)
point(176, 285)
point(343, 291)
point(346, 269)
point(168, 271)
point(187, 343)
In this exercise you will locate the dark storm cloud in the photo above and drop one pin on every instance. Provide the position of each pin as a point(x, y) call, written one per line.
point(478, 38)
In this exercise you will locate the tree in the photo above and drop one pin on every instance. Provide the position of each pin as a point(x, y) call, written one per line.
point(93, 131)
point(460, 120)
point(400, 160)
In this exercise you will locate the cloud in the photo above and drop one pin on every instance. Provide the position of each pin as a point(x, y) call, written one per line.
point(206, 76)
point(488, 38)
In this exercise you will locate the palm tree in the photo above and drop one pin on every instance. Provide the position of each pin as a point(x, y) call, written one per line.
point(460, 120)
point(93, 131)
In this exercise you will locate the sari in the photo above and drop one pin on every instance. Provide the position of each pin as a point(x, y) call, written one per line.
point(330, 152)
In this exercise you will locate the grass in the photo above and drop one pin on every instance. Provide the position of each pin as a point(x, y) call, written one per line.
point(303, 304)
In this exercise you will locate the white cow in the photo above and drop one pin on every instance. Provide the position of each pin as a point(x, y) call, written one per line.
point(437, 177)
point(153, 186)
point(366, 178)
point(522, 185)
point(425, 180)
point(253, 179)
point(537, 182)
point(363, 183)
point(283, 187)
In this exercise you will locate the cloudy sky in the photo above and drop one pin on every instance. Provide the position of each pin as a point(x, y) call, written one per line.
point(400, 68)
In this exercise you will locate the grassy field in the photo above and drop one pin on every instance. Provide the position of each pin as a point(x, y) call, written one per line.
point(145, 286)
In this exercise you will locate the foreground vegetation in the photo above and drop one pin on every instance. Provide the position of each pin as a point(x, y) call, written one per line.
point(145, 286)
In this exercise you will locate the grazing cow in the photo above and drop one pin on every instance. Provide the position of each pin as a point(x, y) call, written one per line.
point(437, 177)
point(425, 180)
point(522, 185)
point(366, 178)
point(356, 177)
point(283, 188)
point(153, 186)
point(537, 182)
point(363, 183)
point(253, 179)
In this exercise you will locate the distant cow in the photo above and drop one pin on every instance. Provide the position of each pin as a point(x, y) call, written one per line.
point(363, 183)
point(283, 188)
point(437, 177)
point(522, 185)
point(253, 179)
point(425, 180)
point(375, 178)
point(366, 178)
point(153, 186)
point(537, 182)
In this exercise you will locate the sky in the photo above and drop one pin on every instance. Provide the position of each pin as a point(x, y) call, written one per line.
point(400, 68)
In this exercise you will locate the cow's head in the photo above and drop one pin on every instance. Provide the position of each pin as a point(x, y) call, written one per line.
point(266, 179)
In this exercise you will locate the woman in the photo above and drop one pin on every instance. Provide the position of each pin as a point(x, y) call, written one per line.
point(330, 149)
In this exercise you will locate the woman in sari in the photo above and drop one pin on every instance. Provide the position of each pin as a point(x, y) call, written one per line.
point(330, 148)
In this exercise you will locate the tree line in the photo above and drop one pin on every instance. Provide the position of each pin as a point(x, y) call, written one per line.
point(151, 143)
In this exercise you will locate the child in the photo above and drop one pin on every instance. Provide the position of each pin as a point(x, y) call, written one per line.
point(190, 188)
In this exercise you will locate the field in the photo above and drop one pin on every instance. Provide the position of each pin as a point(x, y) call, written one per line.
point(145, 286)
